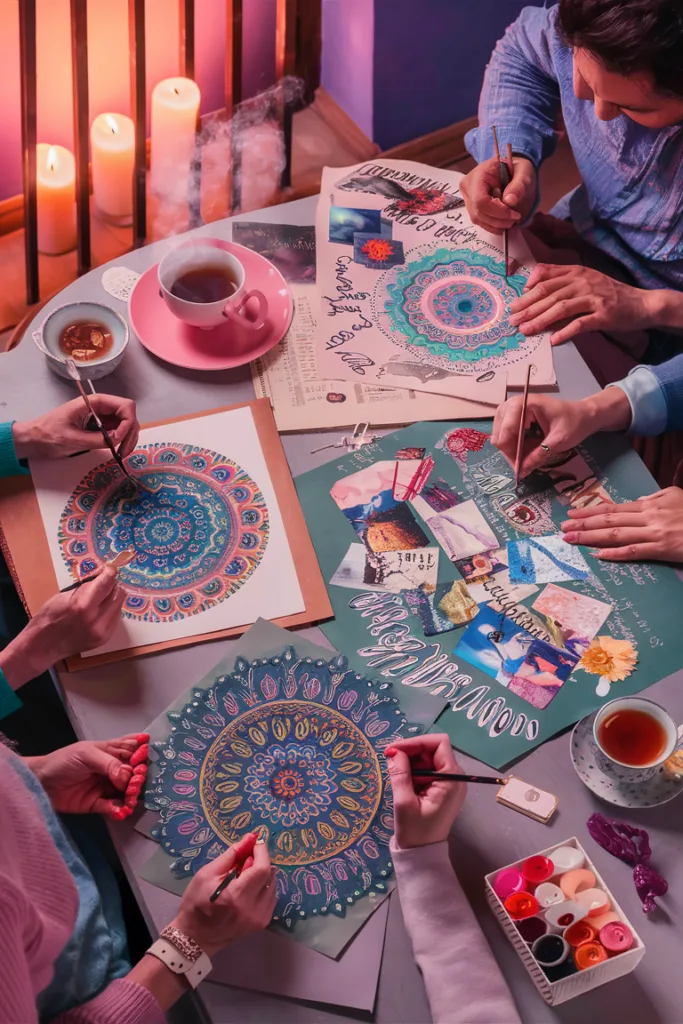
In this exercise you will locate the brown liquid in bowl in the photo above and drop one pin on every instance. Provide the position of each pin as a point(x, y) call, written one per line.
point(85, 340)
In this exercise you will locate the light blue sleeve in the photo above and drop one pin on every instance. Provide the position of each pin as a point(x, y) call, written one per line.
point(521, 94)
point(9, 464)
point(9, 701)
point(648, 405)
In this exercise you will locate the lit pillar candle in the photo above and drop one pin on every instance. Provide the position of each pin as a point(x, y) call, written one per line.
point(56, 188)
point(175, 106)
point(112, 138)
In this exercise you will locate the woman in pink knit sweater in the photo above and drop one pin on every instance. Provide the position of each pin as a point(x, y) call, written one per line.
point(51, 926)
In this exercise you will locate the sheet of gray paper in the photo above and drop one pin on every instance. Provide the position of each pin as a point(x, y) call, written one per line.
point(329, 936)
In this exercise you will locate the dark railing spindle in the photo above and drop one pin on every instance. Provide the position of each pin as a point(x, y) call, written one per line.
point(285, 64)
point(187, 38)
point(27, 41)
point(233, 92)
point(138, 75)
point(79, 72)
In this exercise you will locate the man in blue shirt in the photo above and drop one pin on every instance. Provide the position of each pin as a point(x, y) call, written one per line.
point(612, 72)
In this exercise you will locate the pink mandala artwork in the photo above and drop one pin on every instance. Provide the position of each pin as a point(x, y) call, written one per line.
point(198, 529)
point(461, 441)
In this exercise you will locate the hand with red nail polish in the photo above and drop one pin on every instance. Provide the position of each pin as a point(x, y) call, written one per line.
point(91, 777)
point(424, 810)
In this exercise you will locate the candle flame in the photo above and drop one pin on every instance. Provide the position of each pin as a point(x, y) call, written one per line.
point(111, 123)
point(51, 158)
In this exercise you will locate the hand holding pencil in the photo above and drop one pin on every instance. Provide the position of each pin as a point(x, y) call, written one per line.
point(424, 809)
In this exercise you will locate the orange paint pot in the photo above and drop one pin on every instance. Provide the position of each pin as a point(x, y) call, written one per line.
point(521, 905)
point(588, 954)
point(580, 931)
point(576, 881)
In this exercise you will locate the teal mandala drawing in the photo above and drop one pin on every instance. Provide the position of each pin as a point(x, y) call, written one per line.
point(290, 748)
point(198, 530)
point(453, 307)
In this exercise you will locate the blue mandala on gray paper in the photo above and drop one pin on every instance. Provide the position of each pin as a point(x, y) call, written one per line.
point(291, 748)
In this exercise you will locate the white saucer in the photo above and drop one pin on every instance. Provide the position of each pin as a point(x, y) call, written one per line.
point(661, 788)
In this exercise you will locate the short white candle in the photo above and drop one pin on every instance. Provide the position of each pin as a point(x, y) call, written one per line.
point(175, 107)
point(56, 195)
point(112, 138)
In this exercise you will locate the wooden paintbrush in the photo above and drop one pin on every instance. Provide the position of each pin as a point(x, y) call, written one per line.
point(522, 428)
point(505, 171)
point(419, 773)
point(123, 558)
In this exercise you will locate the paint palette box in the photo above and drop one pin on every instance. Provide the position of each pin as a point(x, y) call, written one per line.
point(559, 991)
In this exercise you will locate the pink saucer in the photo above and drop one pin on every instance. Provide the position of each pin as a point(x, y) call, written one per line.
point(224, 347)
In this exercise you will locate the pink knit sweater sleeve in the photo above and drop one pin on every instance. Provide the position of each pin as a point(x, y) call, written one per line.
point(122, 1001)
point(463, 981)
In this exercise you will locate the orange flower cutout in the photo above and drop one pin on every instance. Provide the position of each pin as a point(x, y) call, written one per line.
point(611, 659)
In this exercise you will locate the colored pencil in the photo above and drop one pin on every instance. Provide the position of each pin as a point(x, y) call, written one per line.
point(418, 773)
point(522, 428)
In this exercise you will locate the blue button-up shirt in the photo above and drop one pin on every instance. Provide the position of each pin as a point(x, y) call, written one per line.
point(631, 202)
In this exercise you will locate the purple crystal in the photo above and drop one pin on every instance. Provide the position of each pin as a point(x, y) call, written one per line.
point(632, 845)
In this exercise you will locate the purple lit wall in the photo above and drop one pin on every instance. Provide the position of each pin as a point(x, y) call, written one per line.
point(347, 57)
point(404, 68)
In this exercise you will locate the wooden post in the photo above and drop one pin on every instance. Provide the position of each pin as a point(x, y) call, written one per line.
point(138, 105)
point(187, 69)
point(233, 92)
point(27, 43)
point(233, 55)
point(285, 64)
point(79, 73)
point(187, 38)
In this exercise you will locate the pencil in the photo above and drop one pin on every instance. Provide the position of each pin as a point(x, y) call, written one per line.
point(522, 428)
point(224, 885)
point(418, 773)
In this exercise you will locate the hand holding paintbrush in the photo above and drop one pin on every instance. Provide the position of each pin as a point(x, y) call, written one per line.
point(424, 807)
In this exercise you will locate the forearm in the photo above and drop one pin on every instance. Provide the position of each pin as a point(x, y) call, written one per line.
point(666, 309)
point(520, 77)
point(608, 410)
point(20, 662)
point(463, 982)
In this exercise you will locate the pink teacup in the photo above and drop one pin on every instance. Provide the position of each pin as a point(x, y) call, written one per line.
point(189, 257)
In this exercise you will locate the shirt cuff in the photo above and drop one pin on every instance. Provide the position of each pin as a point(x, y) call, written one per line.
point(646, 398)
point(479, 142)
point(9, 463)
point(9, 701)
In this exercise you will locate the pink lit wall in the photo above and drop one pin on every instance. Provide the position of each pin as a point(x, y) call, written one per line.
point(108, 64)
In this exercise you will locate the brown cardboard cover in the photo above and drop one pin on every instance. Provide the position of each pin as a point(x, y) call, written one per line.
point(30, 561)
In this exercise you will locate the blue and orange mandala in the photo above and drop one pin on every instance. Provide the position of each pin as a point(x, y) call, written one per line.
point(290, 748)
point(453, 306)
point(198, 530)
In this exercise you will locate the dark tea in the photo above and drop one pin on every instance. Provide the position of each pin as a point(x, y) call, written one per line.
point(632, 737)
point(85, 340)
point(204, 284)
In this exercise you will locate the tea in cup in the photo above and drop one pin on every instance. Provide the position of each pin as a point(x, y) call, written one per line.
point(633, 738)
point(203, 286)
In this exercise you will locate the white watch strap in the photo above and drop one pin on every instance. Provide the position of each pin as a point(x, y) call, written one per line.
point(172, 958)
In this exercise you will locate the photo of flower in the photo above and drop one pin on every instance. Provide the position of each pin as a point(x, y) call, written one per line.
point(611, 659)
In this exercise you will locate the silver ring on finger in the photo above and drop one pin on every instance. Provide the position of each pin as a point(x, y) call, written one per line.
point(545, 448)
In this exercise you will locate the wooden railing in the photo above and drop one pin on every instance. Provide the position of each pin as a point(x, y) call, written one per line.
point(297, 52)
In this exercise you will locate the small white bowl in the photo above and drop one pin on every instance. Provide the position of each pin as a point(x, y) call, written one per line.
point(47, 338)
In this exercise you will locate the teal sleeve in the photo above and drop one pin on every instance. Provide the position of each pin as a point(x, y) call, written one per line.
point(9, 701)
point(9, 463)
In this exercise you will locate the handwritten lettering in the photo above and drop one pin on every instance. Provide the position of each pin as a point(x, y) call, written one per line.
point(399, 654)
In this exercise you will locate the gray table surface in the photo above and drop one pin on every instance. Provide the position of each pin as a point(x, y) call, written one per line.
point(123, 697)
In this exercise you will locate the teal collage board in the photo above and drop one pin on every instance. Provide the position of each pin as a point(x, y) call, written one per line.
point(511, 672)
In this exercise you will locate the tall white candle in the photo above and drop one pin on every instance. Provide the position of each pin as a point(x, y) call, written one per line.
point(175, 106)
point(56, 194)
point(112, 138)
